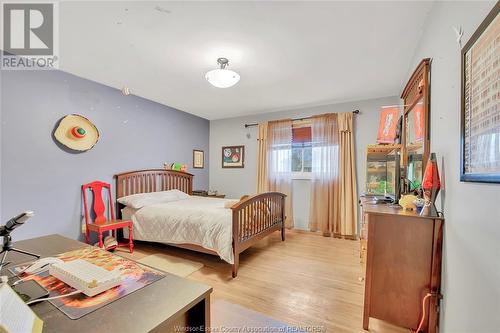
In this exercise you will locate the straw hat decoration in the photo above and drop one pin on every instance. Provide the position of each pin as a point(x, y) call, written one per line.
point(76, 132)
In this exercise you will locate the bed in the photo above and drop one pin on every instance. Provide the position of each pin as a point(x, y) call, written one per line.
point(198, 223)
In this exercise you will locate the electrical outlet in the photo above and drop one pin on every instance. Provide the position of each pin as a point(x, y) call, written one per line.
point(84, 228)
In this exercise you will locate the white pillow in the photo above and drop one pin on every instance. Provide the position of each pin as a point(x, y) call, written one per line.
point(140, 200)
point(180, 195)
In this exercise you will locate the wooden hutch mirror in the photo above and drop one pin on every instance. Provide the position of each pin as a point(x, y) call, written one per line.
point(415, 138)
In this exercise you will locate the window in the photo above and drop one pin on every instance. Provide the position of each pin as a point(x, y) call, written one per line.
point(301, 152)
point(280, 159)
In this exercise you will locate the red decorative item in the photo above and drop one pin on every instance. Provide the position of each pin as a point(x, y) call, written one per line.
point(78, 132)
point(431, 185)
point(387, 125)
point(101, 224)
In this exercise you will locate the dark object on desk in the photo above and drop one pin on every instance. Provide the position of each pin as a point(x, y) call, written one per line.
point(378, 200)
point(159, 307)
point(30, 290)
point(404, 253)
point(5, 231)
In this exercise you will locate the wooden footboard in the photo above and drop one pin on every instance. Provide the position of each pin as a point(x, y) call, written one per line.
point(255, 218)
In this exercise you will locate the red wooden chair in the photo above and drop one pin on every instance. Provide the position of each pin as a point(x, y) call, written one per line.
point(101, 224)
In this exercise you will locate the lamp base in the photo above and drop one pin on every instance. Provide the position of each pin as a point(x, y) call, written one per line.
point(429, 209)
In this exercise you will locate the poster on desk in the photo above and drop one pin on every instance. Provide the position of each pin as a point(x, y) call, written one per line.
point(135, 276)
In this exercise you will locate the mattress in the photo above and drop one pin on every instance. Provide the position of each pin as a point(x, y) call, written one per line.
point(194, 220)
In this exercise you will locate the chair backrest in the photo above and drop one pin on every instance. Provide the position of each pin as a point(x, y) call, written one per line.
point(99, 206)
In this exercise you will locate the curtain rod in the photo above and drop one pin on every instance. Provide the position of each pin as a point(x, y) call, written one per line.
point(295, 119)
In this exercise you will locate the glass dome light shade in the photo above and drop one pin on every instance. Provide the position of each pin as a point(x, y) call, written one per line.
point(222, 78)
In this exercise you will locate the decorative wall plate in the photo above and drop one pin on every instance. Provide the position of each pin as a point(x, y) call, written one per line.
point(76, 133)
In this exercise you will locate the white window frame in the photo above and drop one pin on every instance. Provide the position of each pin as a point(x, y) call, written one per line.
point(302, 174)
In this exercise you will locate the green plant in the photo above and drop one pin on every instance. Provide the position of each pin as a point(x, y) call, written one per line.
point(380, 187)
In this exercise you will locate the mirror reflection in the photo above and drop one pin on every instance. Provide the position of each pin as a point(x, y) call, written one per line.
point(414, 144)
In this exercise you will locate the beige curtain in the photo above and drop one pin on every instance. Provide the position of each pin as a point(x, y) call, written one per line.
point(262, 147)
point(347, 225)
point(279, 162)
point(324, 209)
point(333, 183)
point(274, 165)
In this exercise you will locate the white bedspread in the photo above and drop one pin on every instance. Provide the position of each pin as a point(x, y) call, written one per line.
point(196, 220)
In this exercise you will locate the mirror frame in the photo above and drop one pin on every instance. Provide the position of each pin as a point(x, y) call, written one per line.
point(418, 87)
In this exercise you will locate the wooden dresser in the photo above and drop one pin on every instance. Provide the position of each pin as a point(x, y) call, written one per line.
point(403, 264)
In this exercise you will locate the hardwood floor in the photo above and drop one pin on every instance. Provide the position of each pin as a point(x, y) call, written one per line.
point(308, 280)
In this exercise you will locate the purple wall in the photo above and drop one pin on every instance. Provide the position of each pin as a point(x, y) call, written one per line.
point(37, 175)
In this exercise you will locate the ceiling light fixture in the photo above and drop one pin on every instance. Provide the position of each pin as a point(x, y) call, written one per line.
point(222, 77)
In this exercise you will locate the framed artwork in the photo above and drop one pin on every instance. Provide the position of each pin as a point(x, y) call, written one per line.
point(480, 103)
point(387, 125)
point(198, 159)
point(233, 157)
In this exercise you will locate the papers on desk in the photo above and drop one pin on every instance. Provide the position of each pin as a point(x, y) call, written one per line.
point(15, 315)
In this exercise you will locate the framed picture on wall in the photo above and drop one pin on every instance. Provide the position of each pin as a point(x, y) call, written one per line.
point(198, 159)
point(480, 103)
point(233, 157)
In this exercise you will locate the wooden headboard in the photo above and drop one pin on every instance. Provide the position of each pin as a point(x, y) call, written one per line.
point(154, 180)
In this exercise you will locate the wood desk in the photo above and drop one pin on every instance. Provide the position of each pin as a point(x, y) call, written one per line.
point(158, 307)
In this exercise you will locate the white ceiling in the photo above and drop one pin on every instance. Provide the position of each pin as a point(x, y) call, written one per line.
point(289, 54)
